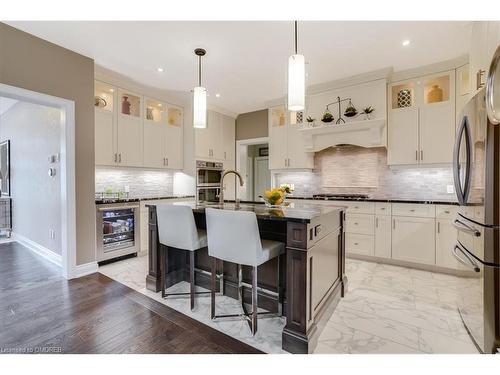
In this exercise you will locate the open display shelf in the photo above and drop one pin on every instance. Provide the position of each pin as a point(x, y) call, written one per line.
point(154, 110)
point(403, 96)
point(174, 116)
point(437, 89)
point(130, 104)
point(104, 96)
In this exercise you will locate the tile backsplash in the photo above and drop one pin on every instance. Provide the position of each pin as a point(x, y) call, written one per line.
point(357, 170)
point(142, 183)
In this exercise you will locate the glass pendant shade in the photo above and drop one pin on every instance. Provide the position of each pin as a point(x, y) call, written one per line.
point(296, 83)
point(200, 107)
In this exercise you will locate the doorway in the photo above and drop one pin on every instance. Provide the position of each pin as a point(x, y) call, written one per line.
point(253, 163)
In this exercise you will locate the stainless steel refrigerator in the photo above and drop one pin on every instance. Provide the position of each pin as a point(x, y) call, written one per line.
point(476, 168)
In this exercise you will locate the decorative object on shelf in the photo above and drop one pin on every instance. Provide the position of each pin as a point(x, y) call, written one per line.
point(296, 79)
point(404, 98)
point(435, 94)
point(282, 119)
point(327, 116)
point(310, 121)
point(100, 102)
point(274, 198)
point(367, 112)
point(199, 96)
point(350, 111)
point(263, 151)
point(126, 105)
point(340, 120)
point(299, 117)
point(149, 113)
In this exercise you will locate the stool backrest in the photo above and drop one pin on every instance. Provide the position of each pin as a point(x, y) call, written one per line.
point(176, 226)
point(233, 236)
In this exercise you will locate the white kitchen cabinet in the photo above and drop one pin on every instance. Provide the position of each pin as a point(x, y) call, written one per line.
point(383, 234)
point(174, 143)
point(485, 38)
point(286, 143)
point(129, 129)
point(217, 140)
point(104, 137)
point(446, 239)
point(413, 239)
point(422, 120)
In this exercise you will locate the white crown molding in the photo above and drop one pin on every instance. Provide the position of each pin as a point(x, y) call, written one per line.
point(38, 249)
point(430, 69)
point(85, 269)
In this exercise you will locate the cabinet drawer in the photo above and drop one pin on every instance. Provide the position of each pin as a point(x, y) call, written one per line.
point(359, 244)
point(360, 223)
point(446, 212)
point(414, 210)
point(357, 207)
point(382, 208)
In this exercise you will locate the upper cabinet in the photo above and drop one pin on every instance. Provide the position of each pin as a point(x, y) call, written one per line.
point(422, 120)
point(132, 130)
point(485, 38)
point(287, 149)
point(217, 140)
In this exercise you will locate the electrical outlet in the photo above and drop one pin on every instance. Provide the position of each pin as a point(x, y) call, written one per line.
point(52, 233)
point(450, 189)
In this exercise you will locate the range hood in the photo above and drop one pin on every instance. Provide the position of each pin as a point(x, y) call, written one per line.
point(367, 133)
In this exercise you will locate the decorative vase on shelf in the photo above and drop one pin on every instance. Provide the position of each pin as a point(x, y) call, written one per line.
point(404, 98)
point(282, 119)
point(126, 106)
point(435, 94)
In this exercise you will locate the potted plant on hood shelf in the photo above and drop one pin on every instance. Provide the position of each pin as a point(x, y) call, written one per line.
point(367, 112)
point(327, 117)
point(310, 121)
point(350, 111)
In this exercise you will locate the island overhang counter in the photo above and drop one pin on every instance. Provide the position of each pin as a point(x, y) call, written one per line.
point(312, 274)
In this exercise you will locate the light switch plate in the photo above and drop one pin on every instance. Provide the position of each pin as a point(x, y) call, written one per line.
point(450, 189)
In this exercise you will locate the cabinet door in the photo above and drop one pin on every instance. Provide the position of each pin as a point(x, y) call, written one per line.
point(297, 157)
point(383, 234)
point(403, 136)
point(228, 138)
point(446, 239)
point(215, 130)
point(202, 143)
point(130, 141)
point(413, 239)
point(154, 145)
point(104, 138)
point(174, 147)
point(277, 141)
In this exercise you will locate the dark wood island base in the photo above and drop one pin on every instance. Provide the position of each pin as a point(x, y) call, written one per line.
point(312, 273)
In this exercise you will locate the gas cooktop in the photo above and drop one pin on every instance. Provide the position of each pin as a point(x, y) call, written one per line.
point(340, 196)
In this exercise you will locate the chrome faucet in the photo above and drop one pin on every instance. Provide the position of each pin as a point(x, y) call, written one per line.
point(221, 189)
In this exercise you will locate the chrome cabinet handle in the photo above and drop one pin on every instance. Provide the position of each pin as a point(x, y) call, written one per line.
point(421, 154)
point(479, 79)
point(416, 155)
point(439, 227)
point(119, 158)
point(469, 262)
point(376, 222)
point(166, 160)
point(393, 223)
point(493, 113)
point(463, 227)
point(412, 210)
point(116, 157)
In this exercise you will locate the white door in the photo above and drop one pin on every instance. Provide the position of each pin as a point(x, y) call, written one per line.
point(403, 137)
point(446, 239)
point(228, 138)
point(297, 157)
point(413, 239)
point(262, 177)
point(104, 138)
point(154, 144)
point(383, 233)
point(130, 141)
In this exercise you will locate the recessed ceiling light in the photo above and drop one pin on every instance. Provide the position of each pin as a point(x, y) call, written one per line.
point(160, 70)
point(159, 104)
point(111, 90)
point(217, 95)
point(406, 43)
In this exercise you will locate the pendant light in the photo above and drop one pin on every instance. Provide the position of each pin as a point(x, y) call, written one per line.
point(296, 79)
point(199, 96)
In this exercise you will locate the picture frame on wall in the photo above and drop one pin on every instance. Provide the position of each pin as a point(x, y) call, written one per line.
point(264, 151)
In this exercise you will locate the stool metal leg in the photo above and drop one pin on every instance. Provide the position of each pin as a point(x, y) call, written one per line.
point(191, 278)
point(254, 300)
point(212, 292)
point(280, 288)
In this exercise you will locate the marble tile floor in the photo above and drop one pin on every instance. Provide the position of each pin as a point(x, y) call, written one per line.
point(387, 310)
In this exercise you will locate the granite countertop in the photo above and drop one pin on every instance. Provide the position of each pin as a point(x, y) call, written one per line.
point(375, 199)
point(138, 199)
point(296, 212)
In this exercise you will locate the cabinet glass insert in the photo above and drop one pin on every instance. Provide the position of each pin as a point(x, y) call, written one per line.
point(437, 89)
point(130, 105)
point(154, 110)
point(117, 228)
point(278, 116)
point(103, 96)
point(403, 96)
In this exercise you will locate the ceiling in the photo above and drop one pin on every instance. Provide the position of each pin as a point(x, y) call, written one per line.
point(246, 61)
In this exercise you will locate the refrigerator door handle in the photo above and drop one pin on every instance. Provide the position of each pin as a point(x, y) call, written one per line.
point(464, 129)
point(462, 227)
point(469, 262)
point(493, 113)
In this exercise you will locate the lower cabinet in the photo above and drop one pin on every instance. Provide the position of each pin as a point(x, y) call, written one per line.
point(361, 244)
point(383, 235)
point(413, 239)
point(446, 238)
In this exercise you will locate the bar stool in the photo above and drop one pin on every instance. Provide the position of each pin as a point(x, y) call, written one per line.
point(177, 229)
point(233, 236)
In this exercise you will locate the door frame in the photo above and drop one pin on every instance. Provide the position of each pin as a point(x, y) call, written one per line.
point(239, 148)
point(67, 152)
point(255, 160)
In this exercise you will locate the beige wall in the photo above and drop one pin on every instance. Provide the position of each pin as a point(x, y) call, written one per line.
point(251, 125)
point(34, 64)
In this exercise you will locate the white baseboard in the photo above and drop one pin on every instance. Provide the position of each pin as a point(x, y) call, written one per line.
point(38, 249)
point(85, 269)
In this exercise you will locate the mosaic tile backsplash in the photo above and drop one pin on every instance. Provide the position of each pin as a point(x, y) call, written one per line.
point(357, 170)
point(141, 183)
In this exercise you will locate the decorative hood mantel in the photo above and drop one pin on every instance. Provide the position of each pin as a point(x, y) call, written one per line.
point(367, 133)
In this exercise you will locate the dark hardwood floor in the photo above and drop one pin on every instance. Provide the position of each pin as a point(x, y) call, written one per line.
point(41, 311)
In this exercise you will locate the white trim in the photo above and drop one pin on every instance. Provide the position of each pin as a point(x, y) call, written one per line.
point(85, 269)
point(38, 249)
point(68, 195)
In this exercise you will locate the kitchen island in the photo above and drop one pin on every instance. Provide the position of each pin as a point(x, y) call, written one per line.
point(312, 276)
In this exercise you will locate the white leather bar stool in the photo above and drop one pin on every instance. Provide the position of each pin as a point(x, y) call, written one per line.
point(233, 236)
point(177, 229)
